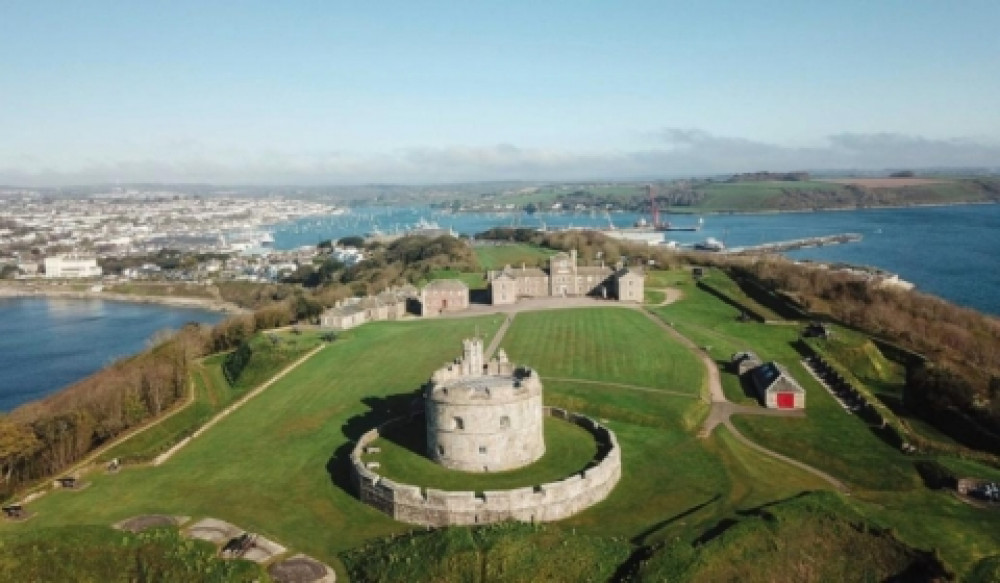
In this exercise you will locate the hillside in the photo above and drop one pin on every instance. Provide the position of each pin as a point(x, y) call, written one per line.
point(766, 193)
point(814, 537)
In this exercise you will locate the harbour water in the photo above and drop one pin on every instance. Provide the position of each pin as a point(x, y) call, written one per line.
point(46, 344)
point(948, 251)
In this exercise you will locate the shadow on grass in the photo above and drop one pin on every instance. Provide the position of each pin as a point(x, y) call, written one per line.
point(380, 410)
point(726, 523)
point(640, 539)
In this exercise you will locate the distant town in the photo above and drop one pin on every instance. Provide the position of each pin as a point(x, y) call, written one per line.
point(67, 238)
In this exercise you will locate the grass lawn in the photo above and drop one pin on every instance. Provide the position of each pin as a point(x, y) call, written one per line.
point(513, 254)
point(267, 467)
point(753, 196)
point(616, 344)
point(212, 393)
point(828, 438)
point(657, 278)
point(568, 449)
point(653, 296)
point(475, 281)
point(99, 553)
point(279, 465)
point(730, 288)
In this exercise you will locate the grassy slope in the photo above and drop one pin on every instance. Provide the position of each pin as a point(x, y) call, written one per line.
point(811, 538)
point(886, 485)
point(496, 256)
point(473, 280)
point(506, 552)
point(753, 196)
point(885, 378)
point(264, 467)
point(828, 438)
point(212, 394)
point(101, 554)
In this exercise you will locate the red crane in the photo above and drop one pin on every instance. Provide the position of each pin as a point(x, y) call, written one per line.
point(652, 205)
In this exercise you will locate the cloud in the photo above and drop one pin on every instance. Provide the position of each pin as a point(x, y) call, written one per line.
point(669, 152)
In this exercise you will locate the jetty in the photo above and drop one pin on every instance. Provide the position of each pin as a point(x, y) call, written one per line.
point(791, 245)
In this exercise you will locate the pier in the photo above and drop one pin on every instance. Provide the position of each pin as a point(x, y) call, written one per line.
point(781, 246)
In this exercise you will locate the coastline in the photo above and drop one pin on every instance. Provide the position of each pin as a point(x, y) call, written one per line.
point(688, 212)
point(24, 291)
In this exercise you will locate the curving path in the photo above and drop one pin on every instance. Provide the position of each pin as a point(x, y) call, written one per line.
point(722, 409)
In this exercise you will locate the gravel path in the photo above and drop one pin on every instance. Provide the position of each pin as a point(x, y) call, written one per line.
point(225, 412)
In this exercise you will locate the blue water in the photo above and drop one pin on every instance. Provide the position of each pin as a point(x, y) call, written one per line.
point(951, 251)
point(46, 344)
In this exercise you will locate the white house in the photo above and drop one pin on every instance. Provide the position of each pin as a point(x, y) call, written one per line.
point(72, 266)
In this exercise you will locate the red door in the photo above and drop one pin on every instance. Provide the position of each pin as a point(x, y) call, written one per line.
point(786, 401)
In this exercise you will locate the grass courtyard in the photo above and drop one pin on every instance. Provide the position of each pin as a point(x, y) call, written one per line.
point(568, 449)
point(279, 465)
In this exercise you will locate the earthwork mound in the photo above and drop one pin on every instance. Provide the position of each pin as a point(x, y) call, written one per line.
point(147, 521)
point(301, 569)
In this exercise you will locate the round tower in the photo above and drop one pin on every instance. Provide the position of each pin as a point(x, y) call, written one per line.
point(484, 417)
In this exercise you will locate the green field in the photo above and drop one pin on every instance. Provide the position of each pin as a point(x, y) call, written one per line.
point(513, 254)
point(618, 345)
point(279, 465)
point(475, 281)
point(101, 554)
point(212, 393)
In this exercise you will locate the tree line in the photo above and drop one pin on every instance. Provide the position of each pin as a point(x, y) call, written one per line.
point(45, 437)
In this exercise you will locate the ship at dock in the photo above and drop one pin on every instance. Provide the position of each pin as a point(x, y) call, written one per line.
point(663, 225)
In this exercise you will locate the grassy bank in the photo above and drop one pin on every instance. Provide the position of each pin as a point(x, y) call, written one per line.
point(279, 465)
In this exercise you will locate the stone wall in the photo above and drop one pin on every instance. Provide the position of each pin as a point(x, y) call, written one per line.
point(542, 503)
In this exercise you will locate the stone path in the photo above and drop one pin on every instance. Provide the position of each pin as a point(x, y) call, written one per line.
point(501, 332)
point(243, 400)
point(301, 569)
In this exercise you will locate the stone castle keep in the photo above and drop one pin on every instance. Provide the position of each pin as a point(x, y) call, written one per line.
point(484, 417)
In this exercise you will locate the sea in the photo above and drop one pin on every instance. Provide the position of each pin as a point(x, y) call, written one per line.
point(48, 343)
point(949, 251)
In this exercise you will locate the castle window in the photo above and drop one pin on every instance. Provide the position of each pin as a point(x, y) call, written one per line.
point(440, 450)
point(505, 422)
point(457, 423)
point(482, 449)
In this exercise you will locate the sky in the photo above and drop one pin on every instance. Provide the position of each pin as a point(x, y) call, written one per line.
point(334, 92)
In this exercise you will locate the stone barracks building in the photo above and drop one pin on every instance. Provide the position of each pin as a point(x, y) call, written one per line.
point(565, 278)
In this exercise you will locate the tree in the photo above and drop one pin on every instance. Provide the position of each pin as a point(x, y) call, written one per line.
point(352, 241)
point(18, 443)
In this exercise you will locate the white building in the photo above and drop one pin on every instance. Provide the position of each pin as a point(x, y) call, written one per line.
point(72, 266)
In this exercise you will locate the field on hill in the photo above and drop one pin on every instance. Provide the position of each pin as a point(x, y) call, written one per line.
point(882, 182)
point(279, 465)
point(883, 479)
point(513, 254)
